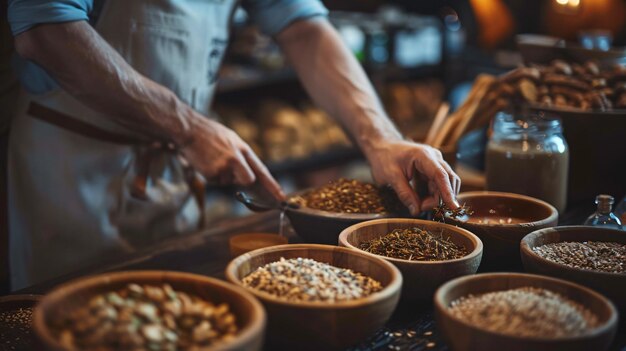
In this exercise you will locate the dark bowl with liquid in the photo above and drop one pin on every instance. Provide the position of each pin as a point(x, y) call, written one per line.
point(501, 221)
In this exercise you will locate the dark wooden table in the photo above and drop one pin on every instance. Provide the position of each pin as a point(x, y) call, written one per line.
point(411, 327)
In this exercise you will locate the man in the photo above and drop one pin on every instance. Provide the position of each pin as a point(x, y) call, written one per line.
point(143, 72)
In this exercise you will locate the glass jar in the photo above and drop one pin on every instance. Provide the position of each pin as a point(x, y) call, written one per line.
point(527, 154)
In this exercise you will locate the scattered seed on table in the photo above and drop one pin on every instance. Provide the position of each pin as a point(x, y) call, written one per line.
point(600, 256)
point(304, 279)
point(146, 317)
point(527, 312)
point(15, 329)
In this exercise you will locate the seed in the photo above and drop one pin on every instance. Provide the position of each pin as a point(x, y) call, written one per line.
point(414, 244)
point(525, 312)
point(15, 329)
point(304, 279)
point(351, 196)
point(600, 256)
point(146, 317)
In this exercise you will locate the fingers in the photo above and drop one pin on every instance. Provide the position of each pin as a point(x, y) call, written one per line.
point(455, 180)
point(242, 173)
point(434, 169)
point(263, 175)
point(406, 194)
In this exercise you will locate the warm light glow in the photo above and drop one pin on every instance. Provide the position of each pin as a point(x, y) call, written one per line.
point(572, 3)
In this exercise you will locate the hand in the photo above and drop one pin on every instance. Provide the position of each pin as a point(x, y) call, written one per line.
point(397, 163)
point(220, 155)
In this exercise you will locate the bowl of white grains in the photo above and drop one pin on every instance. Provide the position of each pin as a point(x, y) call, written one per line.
point(591, 256)
point(427, 253)
point(318, 297)
point(149, 310)
point(521, 312)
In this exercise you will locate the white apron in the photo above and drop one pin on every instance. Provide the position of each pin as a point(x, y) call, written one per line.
point(70, 203)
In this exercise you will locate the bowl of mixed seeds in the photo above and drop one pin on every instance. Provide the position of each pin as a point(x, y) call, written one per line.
point(427, 253)
point(520, 312)
point(149, 310)
point(318, 297)
point(591, 256)
point(318, 215)
point(501, 220)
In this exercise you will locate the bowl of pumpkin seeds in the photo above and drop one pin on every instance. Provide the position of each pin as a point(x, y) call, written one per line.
point(149, 310)
point(319, 214)
point(427, 253)
point(521, 312)
point(591, 256)
point(318, 297)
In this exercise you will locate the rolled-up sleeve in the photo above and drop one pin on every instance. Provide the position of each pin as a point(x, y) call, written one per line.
point(272, 16)
point(25, 14)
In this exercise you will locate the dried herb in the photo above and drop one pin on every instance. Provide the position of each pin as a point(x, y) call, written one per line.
point(442, 211)
point(526, 312)
point(351, 196)
point(304, 279)
point(415, 244)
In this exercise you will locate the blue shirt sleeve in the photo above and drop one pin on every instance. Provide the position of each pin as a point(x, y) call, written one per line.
point(272, 16)
point(25, 14)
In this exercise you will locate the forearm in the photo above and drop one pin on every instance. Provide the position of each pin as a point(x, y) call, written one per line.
point(336, 81)
point(92, 71)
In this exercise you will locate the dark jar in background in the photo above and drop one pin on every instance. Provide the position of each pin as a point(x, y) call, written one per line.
point(527, 154)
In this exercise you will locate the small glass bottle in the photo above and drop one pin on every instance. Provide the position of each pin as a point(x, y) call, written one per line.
point(603, 215)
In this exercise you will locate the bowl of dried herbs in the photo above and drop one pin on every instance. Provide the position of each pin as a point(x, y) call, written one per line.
point(427, 253)
point(318, 215)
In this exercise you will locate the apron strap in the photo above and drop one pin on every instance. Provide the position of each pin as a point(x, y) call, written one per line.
point(77, 126)
point(194, 181)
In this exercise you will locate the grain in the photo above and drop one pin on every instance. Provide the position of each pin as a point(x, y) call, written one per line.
point(304, 279)
point(350, 196)
point(525, 312)
point(146, 317)
point(415, 244)
point(599, 256)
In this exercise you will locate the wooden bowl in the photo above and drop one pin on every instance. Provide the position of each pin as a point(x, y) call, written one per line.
point(248, 311)
point(323, 227)
point(317, 325)
point(421, 278)
point(502, 241)
point(612, 285)
point(463, 336)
